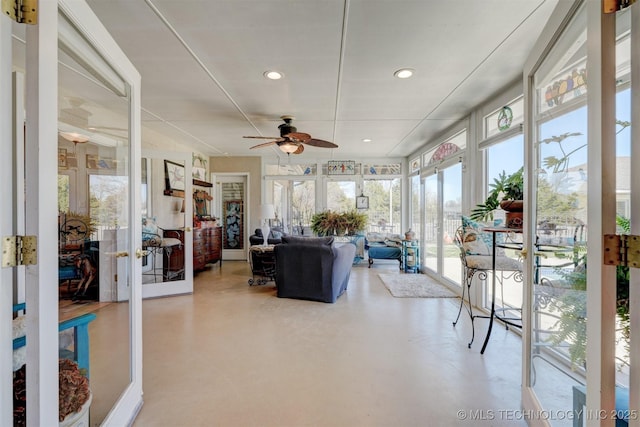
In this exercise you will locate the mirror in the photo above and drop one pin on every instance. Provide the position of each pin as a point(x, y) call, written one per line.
point(94, 204)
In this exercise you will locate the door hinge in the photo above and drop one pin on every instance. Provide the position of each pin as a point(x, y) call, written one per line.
point(622, 249)
point(19, 250)
point(21, 11)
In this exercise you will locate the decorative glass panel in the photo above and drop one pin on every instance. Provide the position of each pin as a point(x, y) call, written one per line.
point(386, 169)
point(504, 118)
point(414, 165)
point(447, 149)
point(301, 169)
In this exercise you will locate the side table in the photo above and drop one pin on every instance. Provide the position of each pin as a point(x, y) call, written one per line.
point(411, 256)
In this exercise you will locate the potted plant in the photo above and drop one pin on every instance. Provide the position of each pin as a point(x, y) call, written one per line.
point(355, 221)
point(507, 192)
point(323, 223)
point(328, 223)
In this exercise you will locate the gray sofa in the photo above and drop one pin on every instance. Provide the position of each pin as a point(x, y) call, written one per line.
point(312, 268)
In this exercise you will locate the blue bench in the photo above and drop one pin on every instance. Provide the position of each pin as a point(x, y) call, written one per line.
point(580, 400)
point(382, 251)
point(80, 325)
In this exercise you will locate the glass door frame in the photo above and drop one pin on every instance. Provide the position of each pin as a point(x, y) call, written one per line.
point(439, 171)
point(601, 205)
point(217, 178)
point(41, 207)
point(185, 285)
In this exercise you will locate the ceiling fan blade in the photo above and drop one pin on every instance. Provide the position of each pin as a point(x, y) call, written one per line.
point(264, 144)
point(299, 150)
point(320, 143)
point(264, 137)
point(298, 136)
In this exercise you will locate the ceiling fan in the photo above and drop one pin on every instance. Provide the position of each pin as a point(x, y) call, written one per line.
point(291, 141)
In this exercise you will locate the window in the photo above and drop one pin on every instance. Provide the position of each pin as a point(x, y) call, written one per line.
point(107, 202)
point(384, 204)
point(294, 201)
point(341, 195)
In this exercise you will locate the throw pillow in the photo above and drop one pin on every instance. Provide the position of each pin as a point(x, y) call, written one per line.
point(474, 245)
point(392, 243)
point(149, 228)
point(275, 235)
point(374, 237)
point(471, 226)
point(475, 227)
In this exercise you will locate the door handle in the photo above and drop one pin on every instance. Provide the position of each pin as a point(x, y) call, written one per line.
point(140, 253)
point(122, 254)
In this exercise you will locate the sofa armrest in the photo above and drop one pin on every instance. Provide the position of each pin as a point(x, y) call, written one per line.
point(343, 257)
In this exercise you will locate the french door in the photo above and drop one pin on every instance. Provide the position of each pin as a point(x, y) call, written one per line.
point(577, 355)
point(168, 267)
point(232, 207)
point(60, 70)
point(443, 205)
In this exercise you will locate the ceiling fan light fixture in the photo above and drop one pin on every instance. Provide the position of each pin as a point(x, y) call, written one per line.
point(74, 137)
point(404, 73)
point(273, 75)
point(288, 147)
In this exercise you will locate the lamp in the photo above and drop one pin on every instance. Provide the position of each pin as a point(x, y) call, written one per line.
point(267, 212)
point(289, 147)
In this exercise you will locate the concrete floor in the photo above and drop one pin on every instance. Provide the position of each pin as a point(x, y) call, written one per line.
point(235, 355)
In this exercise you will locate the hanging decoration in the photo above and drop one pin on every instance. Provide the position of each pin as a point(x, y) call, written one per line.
point(505, 117)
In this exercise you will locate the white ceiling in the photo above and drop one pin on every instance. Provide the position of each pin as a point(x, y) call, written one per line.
point(202, 65)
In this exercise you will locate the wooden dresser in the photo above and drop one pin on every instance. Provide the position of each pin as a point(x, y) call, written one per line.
point(207, 246)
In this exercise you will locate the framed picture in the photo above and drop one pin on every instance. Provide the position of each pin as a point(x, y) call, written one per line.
point(199, 173)
point(341, 167)
point(362, 202)
point(62, 158)
point(174, 176)
point(72, 161)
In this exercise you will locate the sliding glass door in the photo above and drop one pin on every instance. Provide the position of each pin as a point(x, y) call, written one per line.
point(443, 207)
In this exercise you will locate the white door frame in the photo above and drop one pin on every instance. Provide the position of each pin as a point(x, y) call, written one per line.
point(81, 15)
point(41, 209)
point(7, 228)
point(601, 206)
point(233, 254)
point(185, 286)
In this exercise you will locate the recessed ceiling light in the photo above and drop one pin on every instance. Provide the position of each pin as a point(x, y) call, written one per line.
point(404, 73)
point(367, 140)
point(273, 75)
